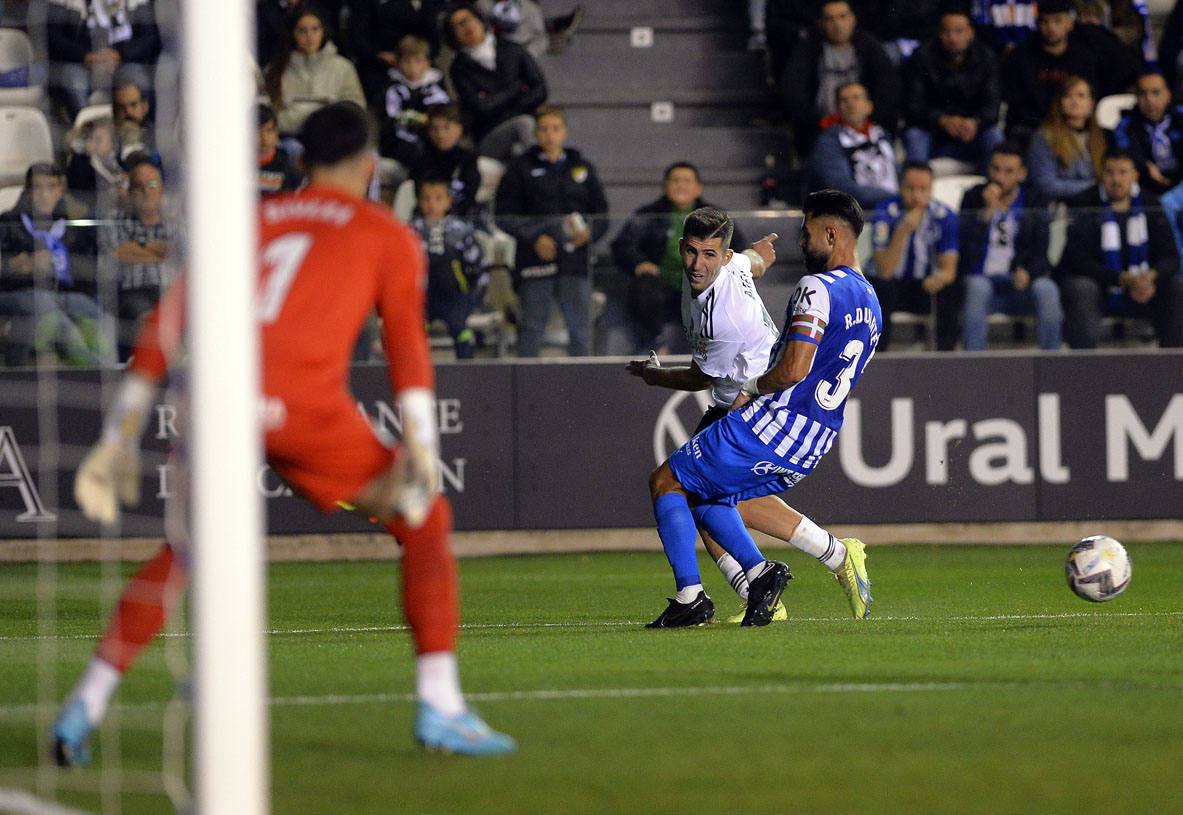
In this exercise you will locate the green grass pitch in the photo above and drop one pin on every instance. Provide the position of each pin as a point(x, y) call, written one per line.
point(979, 684)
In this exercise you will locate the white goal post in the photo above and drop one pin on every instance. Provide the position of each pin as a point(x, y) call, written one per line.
point(230, 733)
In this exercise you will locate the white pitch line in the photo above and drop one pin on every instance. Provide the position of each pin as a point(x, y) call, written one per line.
point(20, 802)
point(379, 629)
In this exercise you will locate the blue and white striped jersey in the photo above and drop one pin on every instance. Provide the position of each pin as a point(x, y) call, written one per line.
point(839, 312)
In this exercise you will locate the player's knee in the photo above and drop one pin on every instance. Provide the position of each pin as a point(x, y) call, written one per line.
point(663, 481)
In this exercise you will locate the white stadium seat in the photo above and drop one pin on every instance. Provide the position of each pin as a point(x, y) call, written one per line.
point(950, 189)
point(24, 140)
point(20, 80)
point(1110, 108)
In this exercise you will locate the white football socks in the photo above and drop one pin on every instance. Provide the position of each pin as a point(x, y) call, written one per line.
point(687, 594)
point(731, 570)
point(95, 688)
point(813, 540)
point(437, 682)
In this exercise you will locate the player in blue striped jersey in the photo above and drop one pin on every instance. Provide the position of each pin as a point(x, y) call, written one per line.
point(779, 427)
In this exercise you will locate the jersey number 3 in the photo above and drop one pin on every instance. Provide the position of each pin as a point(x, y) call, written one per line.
point(831, 394)
point(281, 259)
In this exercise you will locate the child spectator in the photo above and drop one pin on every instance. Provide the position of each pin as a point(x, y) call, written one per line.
point(93, 173)
point(455, 271)
point(445, 157)
point(277, 172)
point(402, 105)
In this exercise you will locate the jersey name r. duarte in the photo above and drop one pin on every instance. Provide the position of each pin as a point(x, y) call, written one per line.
point(839, 312)
point(729, 330)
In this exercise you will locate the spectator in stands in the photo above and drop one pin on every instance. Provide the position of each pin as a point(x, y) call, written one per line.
point(455, 269)
point(1002, 253)
point(548, 201)
point(137, 249)
point(1152, 131)
point(93, 174)
point(1120, 259)
point(133, 123)
point(47, 287)
point(271, 27)
point(1120, 62)
point(1170, 48)
point(519, 21)
point(1003, 24)
point(832, 55)
point(377, 26)
point(89, 44)
point(915, 240)
point(786, 25)
point(901, 27)
point(308, 73)
point(952, 92)
point(497, 82)
point(1033, 72)
point(854, 154)
point(401, 106)
point(646, 252)
point(445, 156)
point(1066, 152)
point(277, 172)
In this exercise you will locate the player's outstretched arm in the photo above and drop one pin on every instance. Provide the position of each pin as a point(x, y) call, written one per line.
point(790, 369)
point(651, 371)
point(762, 254)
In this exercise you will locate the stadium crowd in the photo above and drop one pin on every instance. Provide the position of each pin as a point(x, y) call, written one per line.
point(1062, 210)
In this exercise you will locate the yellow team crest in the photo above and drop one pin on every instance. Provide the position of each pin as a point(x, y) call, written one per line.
point(579, 174)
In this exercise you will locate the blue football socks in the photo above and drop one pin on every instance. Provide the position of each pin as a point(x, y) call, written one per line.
point(726, 527)
point(675, 526)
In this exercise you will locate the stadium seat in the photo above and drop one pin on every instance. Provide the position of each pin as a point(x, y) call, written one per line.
point(9, 195)
point(21, 82)
point(950, 189)
point(1110, 108)
point(944, 166)
point(24, 140)
point(404, 200)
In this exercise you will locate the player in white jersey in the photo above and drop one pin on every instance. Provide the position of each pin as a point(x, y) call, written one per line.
point(731, 460)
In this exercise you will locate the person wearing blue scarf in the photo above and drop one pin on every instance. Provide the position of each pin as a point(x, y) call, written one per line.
point(47, 278)
point(1003, 239)
point(1120, 259)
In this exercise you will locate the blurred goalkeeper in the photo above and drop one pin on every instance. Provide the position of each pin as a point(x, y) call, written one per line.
point(314, 435)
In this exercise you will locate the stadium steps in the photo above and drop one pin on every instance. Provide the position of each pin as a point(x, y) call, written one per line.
point(697, 63)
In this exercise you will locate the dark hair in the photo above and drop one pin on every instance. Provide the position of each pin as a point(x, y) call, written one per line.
point(138, 158)
point(433, 181)
point(838, 90)
point(835, 204)
point(706, 223)
point(43, 168)
point(924, 166)
point(547, 109)
point(956, 7)
point(264, 114)
point(449, 36)
point(273, 73)
point(1056, 7)
point(1119, 153)
point(447, 110)
point(334, 133)
point(682, 165)
point(1009, 147)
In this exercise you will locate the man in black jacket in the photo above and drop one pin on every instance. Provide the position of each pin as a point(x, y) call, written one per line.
point(834, 54)
point(646, 252)
point(549, 200)
point(497, 83)
point(952, 91)
point(1120, 259)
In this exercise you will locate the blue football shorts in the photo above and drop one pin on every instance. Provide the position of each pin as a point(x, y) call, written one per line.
point(726, 463)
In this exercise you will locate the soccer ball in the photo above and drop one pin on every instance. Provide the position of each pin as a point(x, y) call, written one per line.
point(1098, 568)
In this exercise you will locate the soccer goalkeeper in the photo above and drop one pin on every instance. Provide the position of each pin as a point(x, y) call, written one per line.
point(328, 258)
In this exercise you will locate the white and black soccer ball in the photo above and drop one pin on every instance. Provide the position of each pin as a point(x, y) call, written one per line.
point(1098, 568)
